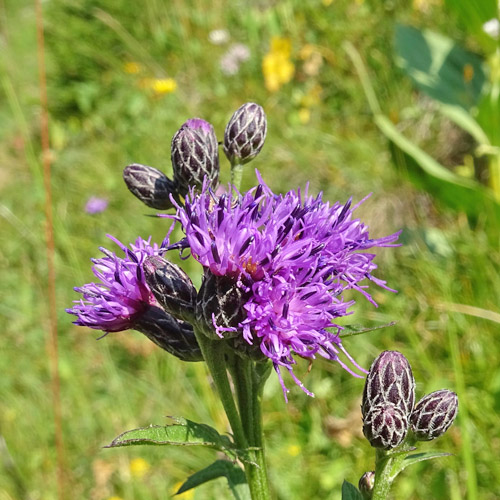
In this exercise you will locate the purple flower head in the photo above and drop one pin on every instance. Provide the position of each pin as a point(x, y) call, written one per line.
point(96, 205)
point(121, 295)
point(198, 123)
point(291, 257)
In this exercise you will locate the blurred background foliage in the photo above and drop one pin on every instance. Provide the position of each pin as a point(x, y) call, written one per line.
point(391, 97)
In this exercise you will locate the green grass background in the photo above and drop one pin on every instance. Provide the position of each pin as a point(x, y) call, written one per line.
point(101, 120)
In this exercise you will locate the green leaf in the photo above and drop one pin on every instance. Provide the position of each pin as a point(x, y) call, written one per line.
point(457, 192)
point(464, 120)
point(220, 468)
point(439, 67)
point(420, 457)
point(182, 433)
point(351, 330)
point(350, 492)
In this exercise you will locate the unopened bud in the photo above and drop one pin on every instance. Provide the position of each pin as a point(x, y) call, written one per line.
point(245, 133)
point(150, 185)
point(434, 414)
point(171, 286)
point(366, 484)
point(390, 380)
point(195, 155)
point(385, 426)
point(173, 335)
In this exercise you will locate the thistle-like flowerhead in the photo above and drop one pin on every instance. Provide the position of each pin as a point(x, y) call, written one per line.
point(195, 156)
point(121, 295)
point(122, 300)
point(150, 185)
point(385, 426)
point(275, 269)
point(434, 414)
point(389, 380)
point(245, 133)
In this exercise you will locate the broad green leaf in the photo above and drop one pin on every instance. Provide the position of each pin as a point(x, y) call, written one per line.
point(439, 67)
point(457, 192)
point(350, 330)
point(350, 492)
point(220, 468)
point(182, 433)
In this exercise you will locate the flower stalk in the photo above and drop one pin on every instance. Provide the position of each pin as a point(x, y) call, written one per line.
point(245, 419)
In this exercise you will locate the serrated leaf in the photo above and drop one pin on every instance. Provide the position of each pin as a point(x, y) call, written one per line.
point(350, 330)
point(182, 433)
point(350, 492)
point(220, 468)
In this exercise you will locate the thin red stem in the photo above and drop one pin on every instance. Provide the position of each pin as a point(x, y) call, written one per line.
point(50, 252)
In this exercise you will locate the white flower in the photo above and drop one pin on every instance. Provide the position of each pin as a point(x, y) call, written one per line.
point(492, 28)
point(218, 37)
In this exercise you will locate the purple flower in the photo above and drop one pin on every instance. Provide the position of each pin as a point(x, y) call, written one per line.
point(291, 257)
point(121, 295)
point(96, 205)
point(123, 300)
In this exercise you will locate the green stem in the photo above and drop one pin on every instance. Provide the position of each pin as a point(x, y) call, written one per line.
point(388, 464)
point(214, 353)
point(257, 474)
point(249, 379)
point(242, 379)
point(383, 480)
point(236, 174)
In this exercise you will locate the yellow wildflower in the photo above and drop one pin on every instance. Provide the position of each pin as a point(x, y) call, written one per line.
point(115, 498)
point(132, 68)
point(276, 65)
point(162, 86)
point(187, 495)
point(139, 467)
point(293, 450)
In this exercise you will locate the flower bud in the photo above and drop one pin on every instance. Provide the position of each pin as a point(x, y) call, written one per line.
point(171, 286)
point(195, 155)
point(366, 484)
point(385, 426)
point(245, 133)
point(434, 414)
point(172, 335)
point(220, 300)
point(150, 185)
point(390, 380)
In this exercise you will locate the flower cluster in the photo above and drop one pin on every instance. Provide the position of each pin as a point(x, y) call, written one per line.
point(290, 257)
point(389, 409)
point(275, 266)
